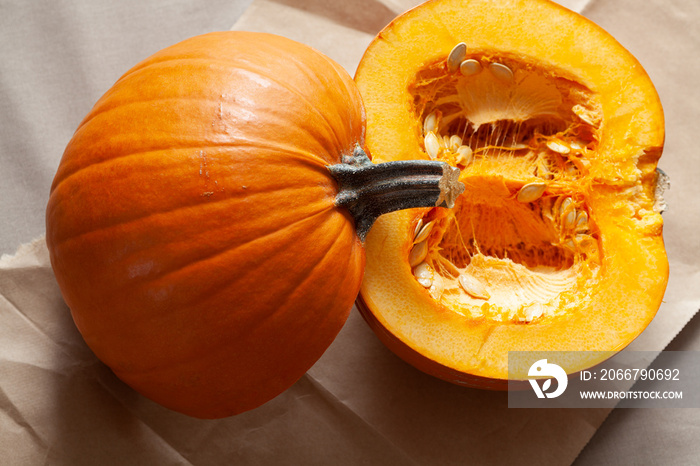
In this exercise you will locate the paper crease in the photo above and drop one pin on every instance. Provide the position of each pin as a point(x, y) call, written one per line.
point(337, 403)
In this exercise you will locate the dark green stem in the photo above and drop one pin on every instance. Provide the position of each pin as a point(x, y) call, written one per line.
point(369, 190)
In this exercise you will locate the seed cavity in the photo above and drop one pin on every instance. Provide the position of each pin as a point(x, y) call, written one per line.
point(432, 145)
point(501, 71)
point(473, 286)
point(418, 253)
point(531, 191)
point(470, 67)
point(456, 57)
point(481, 261)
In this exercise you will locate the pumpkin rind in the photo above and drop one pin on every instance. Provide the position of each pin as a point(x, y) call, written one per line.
point(192, 225)
point(602, 313)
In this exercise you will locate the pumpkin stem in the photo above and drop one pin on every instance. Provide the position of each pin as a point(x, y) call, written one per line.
point(369, 190)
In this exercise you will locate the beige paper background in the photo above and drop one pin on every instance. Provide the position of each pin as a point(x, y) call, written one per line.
point(359, 404)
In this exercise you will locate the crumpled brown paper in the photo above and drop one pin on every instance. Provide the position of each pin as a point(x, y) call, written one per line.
point(359, 404)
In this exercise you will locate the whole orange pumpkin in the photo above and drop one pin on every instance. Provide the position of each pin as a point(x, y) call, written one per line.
point(196, 226)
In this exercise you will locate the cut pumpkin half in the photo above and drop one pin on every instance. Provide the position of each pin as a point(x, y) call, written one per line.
point(556, 244)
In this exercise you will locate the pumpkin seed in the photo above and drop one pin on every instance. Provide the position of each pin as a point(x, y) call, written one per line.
point(423, 270)
point(501, 71)
point(582, 221)
point(430, 123)
point(565, 203)
point(419, 225)
point(470, 67)
point(566, 212)
point(424, 232)
point(424, 274)
point(432, 146)
point(418, 253)
point(556, 208)
point(533, 312)
point(425, 282)
point(455, 142)
point(531, 191)
point(464, 155)
point(558, 147)
point(577, 145)
point(473, 286)
point(583, 239)
point(456, 56)
point(569, 219)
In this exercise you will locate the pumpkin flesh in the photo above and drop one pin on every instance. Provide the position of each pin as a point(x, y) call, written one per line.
point(563, 108)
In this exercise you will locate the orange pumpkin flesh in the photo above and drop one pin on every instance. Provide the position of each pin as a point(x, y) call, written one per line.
point(196, 227)
point(556, 243)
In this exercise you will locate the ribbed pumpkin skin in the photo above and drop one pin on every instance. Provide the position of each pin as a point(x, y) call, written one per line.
point(192, 225)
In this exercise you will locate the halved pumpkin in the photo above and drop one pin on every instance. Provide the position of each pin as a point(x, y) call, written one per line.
point(556, 244)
